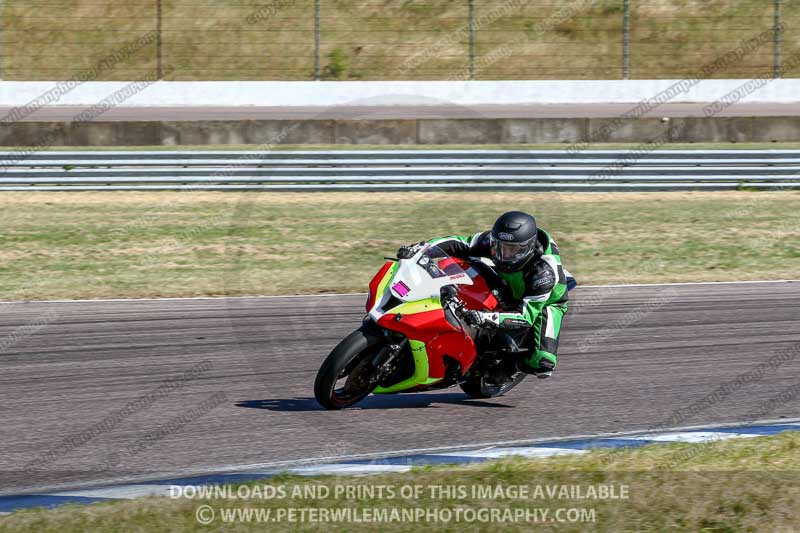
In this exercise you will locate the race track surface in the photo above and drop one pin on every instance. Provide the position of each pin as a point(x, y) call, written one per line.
point(94, 391)
point(192, 113)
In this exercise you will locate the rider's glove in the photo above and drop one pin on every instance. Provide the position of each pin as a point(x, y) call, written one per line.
point(449, 297)
point(479, 318)
point(407, 252)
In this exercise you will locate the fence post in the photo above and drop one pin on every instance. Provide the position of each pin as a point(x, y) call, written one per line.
point(317, 38)
point(626, 38)
point(159, 21)
point(471, 39)
point(778, 39)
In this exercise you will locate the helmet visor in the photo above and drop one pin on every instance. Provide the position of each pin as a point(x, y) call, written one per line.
point(512, 252)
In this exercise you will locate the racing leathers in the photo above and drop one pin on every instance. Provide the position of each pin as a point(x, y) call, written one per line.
point(533, 299)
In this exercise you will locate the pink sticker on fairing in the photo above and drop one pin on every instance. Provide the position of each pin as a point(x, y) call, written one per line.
point(401, 288)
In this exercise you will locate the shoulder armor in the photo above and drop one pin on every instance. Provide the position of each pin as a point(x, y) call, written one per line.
point(479, 245)
point(541, 278)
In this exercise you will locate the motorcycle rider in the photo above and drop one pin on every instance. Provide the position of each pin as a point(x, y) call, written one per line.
point(531, 283)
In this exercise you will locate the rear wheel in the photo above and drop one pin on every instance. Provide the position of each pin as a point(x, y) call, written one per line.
point(347, 375)
point(483, 386)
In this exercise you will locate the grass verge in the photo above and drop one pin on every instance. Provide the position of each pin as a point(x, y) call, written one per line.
point(409, 40)
point(738, 485)
point(99, 245)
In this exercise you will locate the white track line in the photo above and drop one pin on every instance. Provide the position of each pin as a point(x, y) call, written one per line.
point(346, 469)
point(331, 295)
point(692, 283)
point(496, 453)
point(123, 492)
point(695, 436)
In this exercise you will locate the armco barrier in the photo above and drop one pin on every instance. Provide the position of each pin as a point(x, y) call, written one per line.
point(395, 170)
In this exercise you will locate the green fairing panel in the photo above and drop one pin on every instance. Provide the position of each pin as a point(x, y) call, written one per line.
point(420, 306)
point(420, 376)
point(384, 284)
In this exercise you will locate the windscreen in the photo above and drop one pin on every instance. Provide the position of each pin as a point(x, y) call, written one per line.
point(437, 263)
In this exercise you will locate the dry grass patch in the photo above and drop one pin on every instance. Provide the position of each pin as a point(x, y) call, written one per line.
point(138, 244)
point(389, 39)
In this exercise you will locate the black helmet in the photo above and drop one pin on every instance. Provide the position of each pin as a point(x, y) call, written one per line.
point(513, 240)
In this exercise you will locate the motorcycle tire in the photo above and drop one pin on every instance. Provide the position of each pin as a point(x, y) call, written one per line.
point(478, 387)
point(352, 351)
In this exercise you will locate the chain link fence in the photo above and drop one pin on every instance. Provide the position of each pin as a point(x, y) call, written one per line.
point(396, 39)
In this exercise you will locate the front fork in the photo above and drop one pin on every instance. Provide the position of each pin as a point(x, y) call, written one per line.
point(393, 347)
point(383, 360)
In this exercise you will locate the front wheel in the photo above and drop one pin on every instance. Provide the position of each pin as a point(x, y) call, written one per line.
point(480, 385)
point(346, 376)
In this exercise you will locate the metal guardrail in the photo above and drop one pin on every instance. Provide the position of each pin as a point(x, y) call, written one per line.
point(596, 170)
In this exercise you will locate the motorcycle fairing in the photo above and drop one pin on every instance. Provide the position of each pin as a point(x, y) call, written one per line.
point(377, 286)
point(415, 311)
point(420, 377)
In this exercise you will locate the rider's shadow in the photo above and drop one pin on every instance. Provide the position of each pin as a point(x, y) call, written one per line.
point(394, 401)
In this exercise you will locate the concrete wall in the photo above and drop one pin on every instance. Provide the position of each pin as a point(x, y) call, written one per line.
point(418, 131)
point(19, 127)
point(377, 93)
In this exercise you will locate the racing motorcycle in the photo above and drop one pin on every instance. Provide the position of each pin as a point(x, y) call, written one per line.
point(414, 337)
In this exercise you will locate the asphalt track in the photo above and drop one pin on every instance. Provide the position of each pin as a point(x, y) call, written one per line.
point(93, 391)
point(193, 113)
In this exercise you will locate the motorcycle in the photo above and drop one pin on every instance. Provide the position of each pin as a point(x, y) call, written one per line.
point(414, 337)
